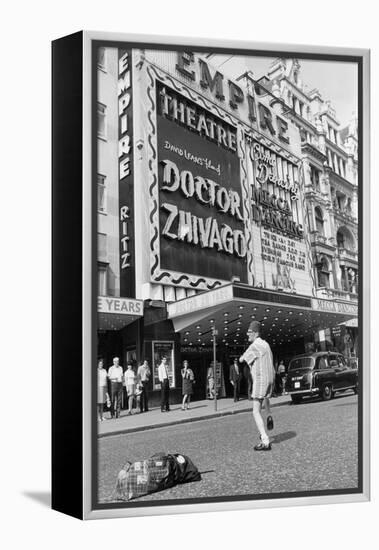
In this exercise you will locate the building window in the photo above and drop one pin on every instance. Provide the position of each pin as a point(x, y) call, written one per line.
point(345, 239)
point(101, 58)
point(315, 178)
point(323, 273)
point(101, 194)
point(335, 164)
point(330, 160)
point(340, 201)
point(102, 280)
point(102, 246)
point(101, 120)
point(342, 168)
point(319, 218)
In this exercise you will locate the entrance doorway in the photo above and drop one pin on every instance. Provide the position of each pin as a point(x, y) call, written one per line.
point(199, 363)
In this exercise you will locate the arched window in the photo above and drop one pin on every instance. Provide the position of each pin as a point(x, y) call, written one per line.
point(345, 239)
point(323, 273)
point(319, 218)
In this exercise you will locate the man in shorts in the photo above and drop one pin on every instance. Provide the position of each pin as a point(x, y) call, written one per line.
point(259, 358)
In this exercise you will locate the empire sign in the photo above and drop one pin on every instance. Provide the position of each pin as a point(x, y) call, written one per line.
point(259, 113)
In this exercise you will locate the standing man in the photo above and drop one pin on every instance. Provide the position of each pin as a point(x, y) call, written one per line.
point(259, 358)
point(235, 379)
point(282, 375)
point(143, 377)
point(165, 385)
point(115, 375)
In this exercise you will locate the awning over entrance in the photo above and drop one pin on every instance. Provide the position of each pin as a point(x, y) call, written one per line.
point(284, 317)
point(351, 323)
point(116, 313)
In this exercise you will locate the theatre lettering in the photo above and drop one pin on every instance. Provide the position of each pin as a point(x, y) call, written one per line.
point(196, 119)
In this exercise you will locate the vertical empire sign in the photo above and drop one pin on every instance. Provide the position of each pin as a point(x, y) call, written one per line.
point(125, 174)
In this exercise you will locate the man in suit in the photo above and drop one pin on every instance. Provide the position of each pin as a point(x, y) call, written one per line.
point(235, 379)
point(165, 385)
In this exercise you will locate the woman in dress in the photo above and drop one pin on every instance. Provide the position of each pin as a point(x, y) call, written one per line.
point(102, 395)
point(188, 380)
point(130, 385)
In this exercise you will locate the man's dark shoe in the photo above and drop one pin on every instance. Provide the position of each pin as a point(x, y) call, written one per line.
point(270, 423)
point(262, 447)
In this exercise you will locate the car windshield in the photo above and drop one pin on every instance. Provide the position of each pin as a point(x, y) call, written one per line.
point(301, 363)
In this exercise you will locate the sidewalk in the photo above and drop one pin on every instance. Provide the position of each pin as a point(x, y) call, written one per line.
point(200, 410)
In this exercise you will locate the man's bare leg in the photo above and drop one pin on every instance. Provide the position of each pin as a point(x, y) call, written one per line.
point(257, 407)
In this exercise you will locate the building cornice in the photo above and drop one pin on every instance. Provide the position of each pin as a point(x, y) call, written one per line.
point(308, 149)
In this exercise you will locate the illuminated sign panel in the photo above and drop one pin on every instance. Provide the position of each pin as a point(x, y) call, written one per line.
point(281, 254)
point(200, 198)
point(126, 175)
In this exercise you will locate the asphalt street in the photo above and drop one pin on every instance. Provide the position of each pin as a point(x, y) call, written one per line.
point(314, 447)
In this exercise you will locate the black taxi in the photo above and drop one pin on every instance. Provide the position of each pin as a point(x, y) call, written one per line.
point(322, 373)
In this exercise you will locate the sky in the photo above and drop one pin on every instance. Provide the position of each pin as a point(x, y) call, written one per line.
point(337, 82)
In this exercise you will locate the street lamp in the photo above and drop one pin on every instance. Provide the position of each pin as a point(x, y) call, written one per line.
point(214, 334)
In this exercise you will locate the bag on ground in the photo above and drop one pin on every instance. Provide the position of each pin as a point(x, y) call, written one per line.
point(157, 473)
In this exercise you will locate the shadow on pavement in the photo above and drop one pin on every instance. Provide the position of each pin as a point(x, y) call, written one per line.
point(282, 437)
point(43, 497)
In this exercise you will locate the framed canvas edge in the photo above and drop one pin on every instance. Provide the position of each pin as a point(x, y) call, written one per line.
point(89, 315)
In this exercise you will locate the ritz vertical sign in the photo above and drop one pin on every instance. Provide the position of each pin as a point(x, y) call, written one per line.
point(125, 174)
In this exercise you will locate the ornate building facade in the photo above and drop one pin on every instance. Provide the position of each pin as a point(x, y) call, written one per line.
point(330, 160)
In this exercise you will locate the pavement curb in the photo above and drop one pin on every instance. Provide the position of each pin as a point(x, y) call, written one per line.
point(135, 429)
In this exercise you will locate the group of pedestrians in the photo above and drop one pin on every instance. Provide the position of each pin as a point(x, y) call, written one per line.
point(111, 386)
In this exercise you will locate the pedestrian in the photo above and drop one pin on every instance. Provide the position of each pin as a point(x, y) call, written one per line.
point(259, 357)
point(187, 389)
point(130, 385)
point(115, 375)
point(102, 394)
point(282, 375)
point(249, 381)
point(235, 379)
point(143, 377)
point(165, 384)
point(211, 383)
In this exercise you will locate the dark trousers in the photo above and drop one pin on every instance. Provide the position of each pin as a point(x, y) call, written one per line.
point(249, 386)
point(116, 392)
point(236, 390)
point(165, 392)
point(144, 398)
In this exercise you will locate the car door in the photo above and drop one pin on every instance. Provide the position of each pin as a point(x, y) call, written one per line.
point(339, 371)
point(348, 374)
point(325, 374)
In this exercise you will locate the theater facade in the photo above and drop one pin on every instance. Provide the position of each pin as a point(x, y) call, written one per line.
point(204, 219)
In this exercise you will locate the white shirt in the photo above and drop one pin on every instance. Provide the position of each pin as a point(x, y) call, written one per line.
point(162, 372)
point(115, 373)
point(259, 354)
point(102, 377)
point(143, 373)
point(130, 377)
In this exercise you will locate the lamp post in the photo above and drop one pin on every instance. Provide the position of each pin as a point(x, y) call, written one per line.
point(214, 334)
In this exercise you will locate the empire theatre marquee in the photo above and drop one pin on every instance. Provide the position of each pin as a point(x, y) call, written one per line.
point(212, 212)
